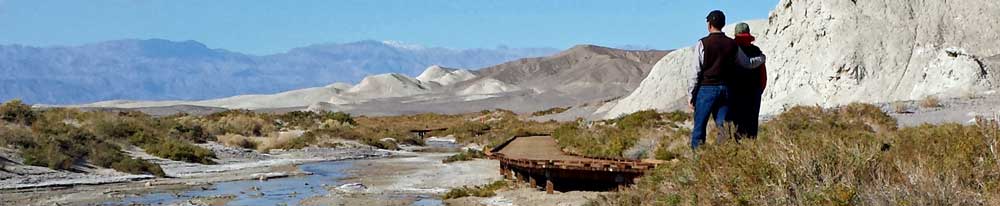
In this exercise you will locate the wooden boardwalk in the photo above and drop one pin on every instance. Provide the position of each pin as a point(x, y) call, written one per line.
point(537, 159)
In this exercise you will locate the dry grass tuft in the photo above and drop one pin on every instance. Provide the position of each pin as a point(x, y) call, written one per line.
point(930, 102)
point(845, 156)
point(900, 108)
point(235, 140)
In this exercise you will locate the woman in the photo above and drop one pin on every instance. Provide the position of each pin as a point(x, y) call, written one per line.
point(747, 90)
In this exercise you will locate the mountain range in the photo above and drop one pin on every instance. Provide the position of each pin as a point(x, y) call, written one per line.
point(580, 75)
point(157, 69)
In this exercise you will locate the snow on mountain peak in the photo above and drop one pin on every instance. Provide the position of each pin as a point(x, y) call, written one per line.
point(403, 45)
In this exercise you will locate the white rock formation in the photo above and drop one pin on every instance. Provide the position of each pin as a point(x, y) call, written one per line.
point(445, 76)
point(294, 98)
point(831, 53)
point(487, 86)
point(389, 85)
point(665, 88)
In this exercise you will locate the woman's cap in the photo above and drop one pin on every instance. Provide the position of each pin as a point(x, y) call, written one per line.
point(742, 28)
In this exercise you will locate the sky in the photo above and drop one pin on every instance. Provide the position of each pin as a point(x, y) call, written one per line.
point(274, 26)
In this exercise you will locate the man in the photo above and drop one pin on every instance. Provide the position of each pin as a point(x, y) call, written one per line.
point(718, 57)
point(748, 88)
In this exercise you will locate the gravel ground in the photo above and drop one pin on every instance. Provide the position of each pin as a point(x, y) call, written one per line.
point(30, 185)
point(407, 180)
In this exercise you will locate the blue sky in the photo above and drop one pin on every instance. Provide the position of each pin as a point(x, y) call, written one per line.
point(272, 26)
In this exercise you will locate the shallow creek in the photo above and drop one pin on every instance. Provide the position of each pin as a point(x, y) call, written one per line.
point(280, 191)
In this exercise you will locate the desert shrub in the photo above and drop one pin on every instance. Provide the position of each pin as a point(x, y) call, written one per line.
point(301, 119)
point(599, 141)
point(181, 151)
point(900, 107)
point(337, 116)
point(640, 119)
point(400, 136)
point(555, 110)
point(190, 131)
point(378, 143)
point(104, 154)
point(178, 150)
point(58, 146)
point(334, 132)
point(116, 127)
point(468, 130)
point(138, 166)
point(286, 142)
point(468, 154)
point(243, 122)
point(930, 102)
point(292, 143)
point(47, 155)
point(14, 111)
point(307, 119)
point(235, 140)
point(16, 137)
point(839, 156)
point(677, 116)
point(488, 190)
point(110, 156)
point(673, 145)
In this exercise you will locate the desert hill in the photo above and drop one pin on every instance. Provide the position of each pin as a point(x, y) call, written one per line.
point(582, 74)
point(158, 69)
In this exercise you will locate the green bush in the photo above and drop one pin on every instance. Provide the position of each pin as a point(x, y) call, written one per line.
point(242, 122)
point(191, 131)
point(179, 150)
point(137, 166)
point(334, 132)
point(110, 156)
point(235, 140)
point(59, 146)
point(17, 137)
point(468, 154)
point(15, 111)
point(47, 155)
point(338, 116)
point(640, 119)
point(488, 190)
point(468, 130)
point(599, 141)
point(115, 127)
point(555, 110)
point(377, 143)
point(297, 143)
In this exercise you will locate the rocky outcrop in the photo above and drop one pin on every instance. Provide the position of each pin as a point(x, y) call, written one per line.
point(445, 76)
point(389, 85)
point(831, 53)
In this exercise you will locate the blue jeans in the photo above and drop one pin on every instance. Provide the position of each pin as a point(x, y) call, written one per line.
point(709, 101)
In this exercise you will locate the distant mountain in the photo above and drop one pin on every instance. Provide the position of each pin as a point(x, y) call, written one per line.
point(159, 69)
point(581, 75)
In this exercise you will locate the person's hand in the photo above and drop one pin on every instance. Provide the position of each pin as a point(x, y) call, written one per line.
point(691, 106)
